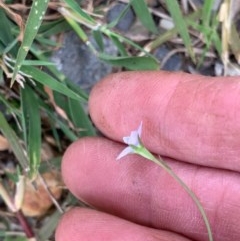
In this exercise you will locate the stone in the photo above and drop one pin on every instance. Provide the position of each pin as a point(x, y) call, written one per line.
point(174, 63)
point(79, 63)
point(126, 21)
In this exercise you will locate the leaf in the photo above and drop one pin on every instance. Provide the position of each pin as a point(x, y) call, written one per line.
point(6, 37)
point(47, 230)
point(119, 17)
point(5, 34)
point(53, 27)
point(16, 18)
point(80, 119)
point(181, 25)
point(119, 45)
point(206, 12)
point(10, 47)
point(99, 39)
point(141, 9)
point(58, 109)
point(65, 129)
point(49, 81)
point(47, 42)
point(9, 105)
point(32, 126)
point(13, 140)
point(34, 21)
point(132, 63)
point(1, 77)
point(14, 238)
point(37, 63)
point(76, 8)
point(55, 121)
point(77, 28)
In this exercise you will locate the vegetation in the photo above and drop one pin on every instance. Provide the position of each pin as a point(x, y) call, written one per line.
point(32, 88)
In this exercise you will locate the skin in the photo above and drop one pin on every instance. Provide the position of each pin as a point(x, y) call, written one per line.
point(193, 123)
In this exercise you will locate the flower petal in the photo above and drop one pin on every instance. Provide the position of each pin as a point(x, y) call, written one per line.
point(133, 139)
point(140, 130)
point(126, 151)
point(126, 139)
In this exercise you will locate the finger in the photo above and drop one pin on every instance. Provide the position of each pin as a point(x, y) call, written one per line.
point(186, 117)
point(84, 224)
point(138, 190)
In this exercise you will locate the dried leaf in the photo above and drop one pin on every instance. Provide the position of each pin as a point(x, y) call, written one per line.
point(36, 202)
point(4, 144)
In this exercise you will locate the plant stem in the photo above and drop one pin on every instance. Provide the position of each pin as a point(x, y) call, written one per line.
point(24, 224)
point(160, 162)
point(21, 218)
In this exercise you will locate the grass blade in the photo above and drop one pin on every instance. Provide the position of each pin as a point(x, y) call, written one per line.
point(32, 122)
point(206, 13)
point(34, 21)
point(131, 63)
point(64, 127)
point(6, 36)
point(47, 230)
point(57, 123)
point(11, 136)
point(76, 8)
point(14, 238)
point(55, 27)
point(37, 63)
point(141, 10)
point(80, 118)
point(98, 39)
point(77, 28)
point(180, 24)
point(119, 45)
point(52, 83)
point(119, 17)
point(11, 108)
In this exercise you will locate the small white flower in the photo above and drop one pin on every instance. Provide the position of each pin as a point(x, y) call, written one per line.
point(132, 141)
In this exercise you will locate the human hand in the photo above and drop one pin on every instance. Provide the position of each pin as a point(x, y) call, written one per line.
point(190, 120)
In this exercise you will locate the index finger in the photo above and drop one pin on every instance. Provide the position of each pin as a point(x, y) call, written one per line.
point(186, 117)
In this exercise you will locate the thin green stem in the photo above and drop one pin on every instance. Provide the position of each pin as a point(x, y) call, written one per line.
point(145, 153)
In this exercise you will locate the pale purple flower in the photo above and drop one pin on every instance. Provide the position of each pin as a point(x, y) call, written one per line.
point(132, 141)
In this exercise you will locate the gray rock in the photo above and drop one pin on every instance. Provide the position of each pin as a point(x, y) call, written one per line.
point(126, 21)
point(78, 62)
point(174, 63)
point(208, 70)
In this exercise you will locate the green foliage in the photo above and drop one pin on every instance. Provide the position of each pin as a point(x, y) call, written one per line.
point(31, 123)
point(207, 12)
point(6, 36)
point(49, 81)
point(34, 21)
point(181, 25)
point(28, 64)
point(141, 10)
point(22, 62)
point(131, 63)
point(10, 134)
point(48, 229)
point(79, 118)
point(17, 238)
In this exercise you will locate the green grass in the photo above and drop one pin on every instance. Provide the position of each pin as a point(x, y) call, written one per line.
point(26, 63)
